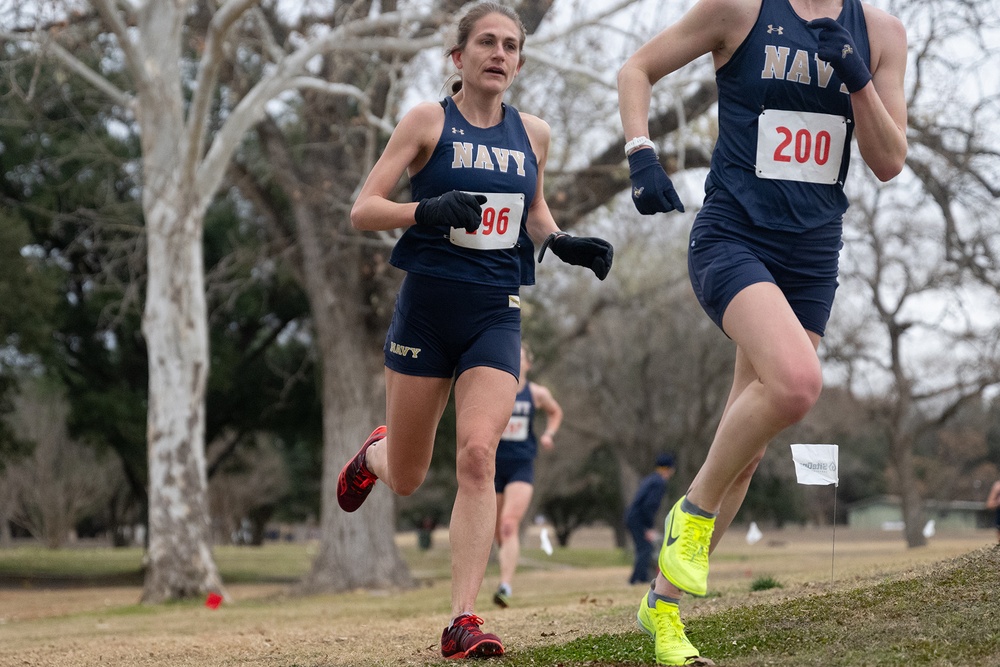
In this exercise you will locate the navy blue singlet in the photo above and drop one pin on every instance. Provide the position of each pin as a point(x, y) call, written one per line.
point(495, 159)
point(518, 440)
point(785, 122)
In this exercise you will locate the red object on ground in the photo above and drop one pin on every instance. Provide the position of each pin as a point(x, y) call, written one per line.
point(213, 600)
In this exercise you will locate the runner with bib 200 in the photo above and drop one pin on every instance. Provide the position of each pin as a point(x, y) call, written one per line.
point(797, 81)
point(475, 166)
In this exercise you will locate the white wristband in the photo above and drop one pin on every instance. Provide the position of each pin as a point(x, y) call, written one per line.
point(637, 142)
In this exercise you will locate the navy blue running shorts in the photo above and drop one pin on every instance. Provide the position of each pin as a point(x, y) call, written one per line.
point(513, 470)
point(728, 253)
point(441, 328)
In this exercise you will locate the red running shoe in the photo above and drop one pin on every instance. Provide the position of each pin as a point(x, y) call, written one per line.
point(464, 639)
point(356, 481)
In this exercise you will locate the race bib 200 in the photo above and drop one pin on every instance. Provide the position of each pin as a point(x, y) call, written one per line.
point(800, 146)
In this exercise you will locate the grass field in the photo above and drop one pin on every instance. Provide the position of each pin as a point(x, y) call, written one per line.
point(864, 600)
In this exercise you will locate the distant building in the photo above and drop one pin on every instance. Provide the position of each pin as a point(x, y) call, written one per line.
point(885, 513)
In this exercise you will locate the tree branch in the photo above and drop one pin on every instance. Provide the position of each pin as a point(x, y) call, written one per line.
point(250, 110)
point(594, 21)
point(560, 64)
point(49, 47)
point(133, 56)
point(347, 90)
point(208, 73)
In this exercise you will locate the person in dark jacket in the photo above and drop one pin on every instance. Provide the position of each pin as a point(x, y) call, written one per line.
point(641, 515)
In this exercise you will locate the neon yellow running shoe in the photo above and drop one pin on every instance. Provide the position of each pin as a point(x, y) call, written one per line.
point(684, 554)
point(502, 597)
point(664, 625)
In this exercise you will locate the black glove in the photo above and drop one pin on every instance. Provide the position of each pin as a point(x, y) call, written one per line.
point(590, 251)
point(652, 191)
point(836, 46)
point(452, 209)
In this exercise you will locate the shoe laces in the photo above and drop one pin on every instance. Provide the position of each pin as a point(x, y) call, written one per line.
point(669, 624)
point(470, 622)
point(695, 547)
point(360, 478)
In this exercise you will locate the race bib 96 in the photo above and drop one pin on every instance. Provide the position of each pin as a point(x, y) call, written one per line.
point(500, 226)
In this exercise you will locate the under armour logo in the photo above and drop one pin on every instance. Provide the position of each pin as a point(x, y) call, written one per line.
point(780, 29)
point(846, 51)
point(637, 192)
point(455, 130)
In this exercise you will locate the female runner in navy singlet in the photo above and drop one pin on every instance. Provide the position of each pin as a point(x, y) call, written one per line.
point(515, 472)
point(475, 166)
point(797, 79)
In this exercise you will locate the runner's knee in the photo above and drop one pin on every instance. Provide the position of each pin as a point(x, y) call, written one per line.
point(475, 465)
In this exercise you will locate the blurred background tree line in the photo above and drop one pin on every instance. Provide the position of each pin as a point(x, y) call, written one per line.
point(297, 302)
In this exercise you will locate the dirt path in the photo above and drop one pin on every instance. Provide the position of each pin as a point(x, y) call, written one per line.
point(263, 626)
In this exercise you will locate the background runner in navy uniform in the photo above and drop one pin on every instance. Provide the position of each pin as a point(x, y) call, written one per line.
point(475, 166)
point(796, 79)
point(514, 478)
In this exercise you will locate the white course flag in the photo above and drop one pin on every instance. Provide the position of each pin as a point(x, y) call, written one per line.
point(754, 534)
point(546, 543)
point(815, 464)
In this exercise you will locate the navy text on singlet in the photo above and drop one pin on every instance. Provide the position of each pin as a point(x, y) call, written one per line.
point(472, 159)
point(785, 122)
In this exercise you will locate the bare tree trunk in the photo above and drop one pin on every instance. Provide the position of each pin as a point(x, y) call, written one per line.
point(175, 323)
point(343, 281)
point(911, 502)
point(180, 562)
point(357, 550)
